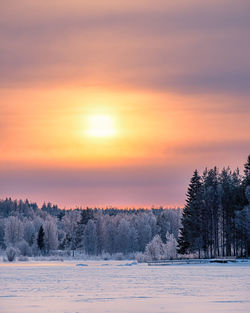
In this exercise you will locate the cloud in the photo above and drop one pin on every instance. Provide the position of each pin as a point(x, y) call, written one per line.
point(122, 186)
point(189, 60)
point(212, 147)
point(130, 186)
point(197, 48)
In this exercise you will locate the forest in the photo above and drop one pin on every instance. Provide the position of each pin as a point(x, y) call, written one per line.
point(214, 222)
point(216, 217)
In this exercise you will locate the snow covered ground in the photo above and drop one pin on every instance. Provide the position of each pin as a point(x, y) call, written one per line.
point(123, 287)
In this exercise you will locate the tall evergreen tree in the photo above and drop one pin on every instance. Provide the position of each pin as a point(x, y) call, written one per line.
point(210, 225)
point(190, 233)
point(40, 238)
point(243, 215)
point(246, 179)
point(86, 215)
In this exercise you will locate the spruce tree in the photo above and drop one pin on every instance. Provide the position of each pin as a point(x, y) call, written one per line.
point(190, 233)
point(247, 172)
point(210, 213)
point(40, 239)
point(86, 215)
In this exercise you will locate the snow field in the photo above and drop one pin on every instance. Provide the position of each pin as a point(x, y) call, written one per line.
point(123, 287)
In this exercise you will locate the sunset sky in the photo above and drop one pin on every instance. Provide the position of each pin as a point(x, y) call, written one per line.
point(116, 102)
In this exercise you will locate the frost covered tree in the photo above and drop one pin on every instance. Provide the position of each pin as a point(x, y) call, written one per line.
point(70, 226)
point(110, 232)
point(155, 249)
point(50, 235)
point(144, 231)
point(24, 248)
point(99, 232)
point(170, 248)
point(13, 232)
point(90, 238)
point(133, 239)
point(123, 236)
point(2, 233)
point(215, 222)
point(118, 230)
point(37, 222)
point(169, 221)
point(85, 216)
point(11, 253)
point(29, 232)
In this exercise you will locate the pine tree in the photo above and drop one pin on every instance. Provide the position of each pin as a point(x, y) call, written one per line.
point(86, 215)
point(244, 215)
point(247, 172)
point(190, 236)
point(210, 212)
point(40, 239)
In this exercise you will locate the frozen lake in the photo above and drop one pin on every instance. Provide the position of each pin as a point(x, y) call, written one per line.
point(115, 287)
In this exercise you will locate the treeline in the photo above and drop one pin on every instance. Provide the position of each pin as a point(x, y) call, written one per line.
point(214, 222)
point(216, 217)
point(35, 231)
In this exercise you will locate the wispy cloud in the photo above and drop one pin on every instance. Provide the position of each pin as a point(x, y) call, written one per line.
point(175, 73)
point(198, 48)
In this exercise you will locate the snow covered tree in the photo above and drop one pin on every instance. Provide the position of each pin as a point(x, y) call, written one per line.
point(11, 253)
point(215, 221)
point(70, 226)
point(50, 235)
point(90, 238)
point(2, 233)
point(169, 221)
point(133, 240)
point(29, 232)
point(13, 231)
point(144, 231)
point(37, 222)
point(24, 248)
point(170, 248)
point(99, 232)
point(123, 236)
point(110, 232)
point(155, 249)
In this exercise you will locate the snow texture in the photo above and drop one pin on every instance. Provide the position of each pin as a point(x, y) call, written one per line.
point(121, 287)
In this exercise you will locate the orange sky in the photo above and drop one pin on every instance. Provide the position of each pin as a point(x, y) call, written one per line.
point(168, 81)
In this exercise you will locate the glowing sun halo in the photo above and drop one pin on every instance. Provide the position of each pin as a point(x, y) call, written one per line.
point(101, 126)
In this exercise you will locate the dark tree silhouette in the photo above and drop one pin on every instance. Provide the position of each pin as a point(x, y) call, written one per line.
point(190, 232)
point(40, 239)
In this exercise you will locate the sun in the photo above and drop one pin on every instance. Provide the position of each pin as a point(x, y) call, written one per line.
point(101, 126)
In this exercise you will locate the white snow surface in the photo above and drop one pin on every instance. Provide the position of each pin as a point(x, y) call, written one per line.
point(123, 287)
